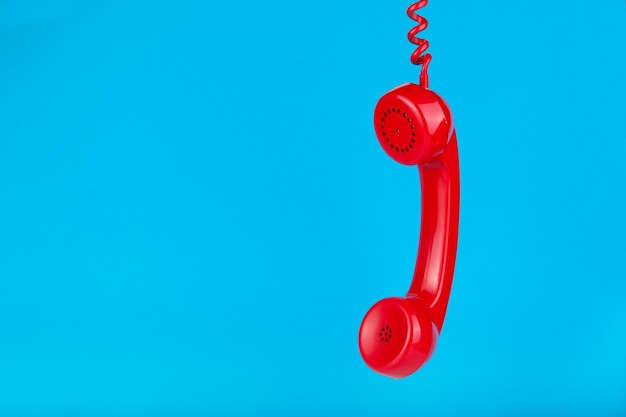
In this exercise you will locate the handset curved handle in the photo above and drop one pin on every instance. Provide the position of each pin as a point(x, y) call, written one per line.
point(439, 230)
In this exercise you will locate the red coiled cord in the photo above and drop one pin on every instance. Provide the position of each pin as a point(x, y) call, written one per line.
point(422, 44)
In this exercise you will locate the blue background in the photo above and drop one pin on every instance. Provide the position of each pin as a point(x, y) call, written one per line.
point(195, 213)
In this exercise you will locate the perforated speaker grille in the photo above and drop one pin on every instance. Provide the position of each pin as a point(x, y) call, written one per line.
point(385, 334)
point(398, 130)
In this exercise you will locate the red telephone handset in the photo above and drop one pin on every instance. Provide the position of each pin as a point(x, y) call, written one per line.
point(414, 126)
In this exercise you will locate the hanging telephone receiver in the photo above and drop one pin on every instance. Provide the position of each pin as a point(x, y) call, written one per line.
point(414, 126)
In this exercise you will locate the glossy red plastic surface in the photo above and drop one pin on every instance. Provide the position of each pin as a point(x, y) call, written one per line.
point(414, 126)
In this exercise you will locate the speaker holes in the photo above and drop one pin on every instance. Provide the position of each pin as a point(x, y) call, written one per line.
point(385, 334)
point(398, 127)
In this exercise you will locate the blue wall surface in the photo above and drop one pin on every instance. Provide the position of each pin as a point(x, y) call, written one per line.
point(195, 213)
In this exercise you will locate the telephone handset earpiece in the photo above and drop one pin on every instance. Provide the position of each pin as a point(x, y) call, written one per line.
point(415, 127)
